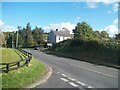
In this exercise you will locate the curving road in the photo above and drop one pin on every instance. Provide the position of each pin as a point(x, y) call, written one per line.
point(70, 73)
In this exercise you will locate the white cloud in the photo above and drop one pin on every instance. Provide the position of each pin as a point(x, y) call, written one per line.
point(115, 7)
point(67, 25)
point(1, 24)
point(103, 1)
point(115, 21)
point(78, 17)
point(109, 12)
point(111, 29)
point(91, 5)
point(6, 28)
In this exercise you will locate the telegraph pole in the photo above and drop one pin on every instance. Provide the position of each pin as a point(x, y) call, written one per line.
point(17, 39)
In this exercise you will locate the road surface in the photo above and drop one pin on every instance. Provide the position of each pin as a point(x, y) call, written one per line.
point(70, 73)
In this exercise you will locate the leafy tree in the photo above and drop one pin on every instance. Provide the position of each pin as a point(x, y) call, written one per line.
point(38, 36)
point(117, 36)
point(10, 40)
point(104, 34)
point(97, 34)
point(21, 36)
point(83, 30)
point(2, 38)
point(28, 36)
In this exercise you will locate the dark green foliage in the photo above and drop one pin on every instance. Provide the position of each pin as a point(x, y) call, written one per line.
point(83, 30)
point(38, 36)
point(117, 37)
point(89, 45)
point(106, 52)
point(26, 37)
point(9, 41)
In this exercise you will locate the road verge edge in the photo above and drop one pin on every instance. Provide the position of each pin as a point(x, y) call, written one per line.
point(41, 80)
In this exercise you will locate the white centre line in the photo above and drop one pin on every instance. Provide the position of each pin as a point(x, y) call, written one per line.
point(94, 71)
point(63, 79)
point(64, 75)
point(58, 72)
point(72, 79)
point(90, 87)
point(81, 83)
point(73, 84)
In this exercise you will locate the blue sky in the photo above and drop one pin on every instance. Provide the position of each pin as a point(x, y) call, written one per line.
point(50, 15)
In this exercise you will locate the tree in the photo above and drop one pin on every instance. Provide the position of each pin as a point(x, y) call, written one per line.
point(104, 34)
point(38, 36)
point(2, 38)
point(97, 34)
point(21, 36)
point(83, 30)
point(28, 36)
point(117, 36)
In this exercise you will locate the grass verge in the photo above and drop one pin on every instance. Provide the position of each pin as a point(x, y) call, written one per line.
point(24, 76)
point(10, 55)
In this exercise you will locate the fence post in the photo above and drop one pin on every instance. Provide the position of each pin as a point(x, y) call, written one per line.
point(7, 68)
point(18, 64)
point(27, 62)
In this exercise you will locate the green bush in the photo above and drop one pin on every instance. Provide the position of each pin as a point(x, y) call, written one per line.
point(104, 51)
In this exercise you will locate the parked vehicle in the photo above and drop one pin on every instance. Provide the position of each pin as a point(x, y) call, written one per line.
point(40, 48)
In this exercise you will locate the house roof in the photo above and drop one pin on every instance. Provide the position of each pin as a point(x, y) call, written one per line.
point(61, 33)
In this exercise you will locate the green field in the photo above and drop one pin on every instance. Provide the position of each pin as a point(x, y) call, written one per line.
point(10, 55)
point(23, 76)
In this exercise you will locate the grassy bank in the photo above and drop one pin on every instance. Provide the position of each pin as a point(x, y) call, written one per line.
point(23, 76)
point(104, 53)
point(10, 55)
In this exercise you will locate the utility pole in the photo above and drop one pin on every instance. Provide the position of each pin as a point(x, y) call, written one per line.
point(17, 39)
point(12, 40)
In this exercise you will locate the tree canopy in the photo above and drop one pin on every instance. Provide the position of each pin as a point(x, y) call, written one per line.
point(2, 38)
point(83, 30)
point(27, 37)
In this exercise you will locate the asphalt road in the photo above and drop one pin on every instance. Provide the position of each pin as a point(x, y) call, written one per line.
point(70, 73)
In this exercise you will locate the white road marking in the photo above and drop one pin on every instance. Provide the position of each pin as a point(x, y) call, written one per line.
point(64, 75)
point(63, 79)
point(94, 71)
point(73, 84)
point(90, 87)
point(72, 79)
point(58, 72)
point(81, 83)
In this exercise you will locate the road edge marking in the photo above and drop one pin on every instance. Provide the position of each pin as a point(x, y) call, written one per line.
point(94, 71)
point(73, 84)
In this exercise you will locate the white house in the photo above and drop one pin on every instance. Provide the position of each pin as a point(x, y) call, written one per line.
point(56, 36)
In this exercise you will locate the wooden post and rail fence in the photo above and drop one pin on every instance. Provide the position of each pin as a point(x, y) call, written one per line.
point(6, 67)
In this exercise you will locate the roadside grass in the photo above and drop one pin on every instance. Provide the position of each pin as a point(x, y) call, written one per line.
point(23, 76)
point(10, 55)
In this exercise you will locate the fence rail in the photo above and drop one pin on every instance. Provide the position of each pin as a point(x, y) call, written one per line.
point(6, 67)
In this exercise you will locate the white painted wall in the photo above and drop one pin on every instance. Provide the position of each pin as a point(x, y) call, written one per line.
point(60, 38)
point(56, 39)
point(51, 38)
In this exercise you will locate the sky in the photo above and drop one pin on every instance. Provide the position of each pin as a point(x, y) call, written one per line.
point(51, 15)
